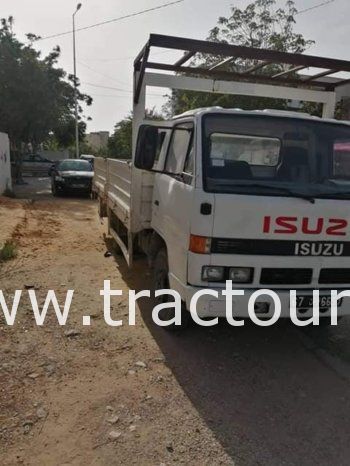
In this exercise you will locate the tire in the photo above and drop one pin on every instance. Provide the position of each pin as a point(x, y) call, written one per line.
point(161, 282)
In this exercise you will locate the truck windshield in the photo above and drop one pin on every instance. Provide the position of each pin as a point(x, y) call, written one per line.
point(277, 156)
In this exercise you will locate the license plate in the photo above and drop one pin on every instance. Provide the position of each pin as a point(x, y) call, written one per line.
point(306, 302)
point(78, 185)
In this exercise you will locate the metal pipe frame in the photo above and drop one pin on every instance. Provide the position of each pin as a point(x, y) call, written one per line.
point(191, 47)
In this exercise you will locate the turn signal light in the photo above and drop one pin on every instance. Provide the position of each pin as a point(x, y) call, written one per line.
point(200, 244)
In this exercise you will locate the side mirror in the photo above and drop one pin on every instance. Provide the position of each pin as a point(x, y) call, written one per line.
point(146, 148)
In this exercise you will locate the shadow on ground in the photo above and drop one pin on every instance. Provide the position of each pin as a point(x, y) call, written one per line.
point(267, 397)
point(38, 189)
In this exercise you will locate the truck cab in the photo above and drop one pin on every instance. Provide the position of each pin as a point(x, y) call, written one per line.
point(256, 197)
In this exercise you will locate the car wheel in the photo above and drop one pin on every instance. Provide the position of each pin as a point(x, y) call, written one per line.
point(161, 282)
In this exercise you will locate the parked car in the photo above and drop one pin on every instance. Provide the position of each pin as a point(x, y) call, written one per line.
point(34, 164)
point(71, 175)
point(89, 158)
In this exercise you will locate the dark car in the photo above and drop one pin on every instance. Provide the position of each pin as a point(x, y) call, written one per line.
point(71, 175)
point(34, 164)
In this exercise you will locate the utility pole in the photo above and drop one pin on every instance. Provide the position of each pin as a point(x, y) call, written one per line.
point(75, 87)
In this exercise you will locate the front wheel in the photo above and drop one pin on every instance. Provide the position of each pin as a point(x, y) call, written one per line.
point(161, 282)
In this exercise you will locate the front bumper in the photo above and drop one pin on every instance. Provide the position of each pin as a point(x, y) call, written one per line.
point(209, 306)
point(80, 185)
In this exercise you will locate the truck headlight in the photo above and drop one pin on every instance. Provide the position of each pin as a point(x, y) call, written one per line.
point(59, 178)
point(241, 274)
point(213, 274)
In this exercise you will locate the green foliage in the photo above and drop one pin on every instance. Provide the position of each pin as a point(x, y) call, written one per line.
point(120, 143)
point(262, 25)
point(8, 251)
point(85, 148)
point(37, 97)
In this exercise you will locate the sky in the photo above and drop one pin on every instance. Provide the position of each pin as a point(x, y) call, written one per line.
point(105, 54)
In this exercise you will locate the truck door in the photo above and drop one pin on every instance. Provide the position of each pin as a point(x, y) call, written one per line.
point(173, 197)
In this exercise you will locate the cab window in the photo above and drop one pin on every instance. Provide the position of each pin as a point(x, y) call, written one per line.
point(180, 149)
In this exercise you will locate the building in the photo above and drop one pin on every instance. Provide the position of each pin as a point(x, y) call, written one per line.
point(97, 140)
point(5, 163)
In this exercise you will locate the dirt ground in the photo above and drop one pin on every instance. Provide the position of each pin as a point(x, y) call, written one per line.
point(99, 395)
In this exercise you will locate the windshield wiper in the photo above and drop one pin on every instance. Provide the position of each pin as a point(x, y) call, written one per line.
point(283, 189)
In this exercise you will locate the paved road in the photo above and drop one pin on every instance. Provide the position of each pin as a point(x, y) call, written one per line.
point(276, 396)
point(34, 188)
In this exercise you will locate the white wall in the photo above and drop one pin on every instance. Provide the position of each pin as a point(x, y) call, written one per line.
point(5, 163)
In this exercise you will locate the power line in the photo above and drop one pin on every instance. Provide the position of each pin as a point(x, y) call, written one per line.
point(102, 74)
point(115, 96)
point(111, 95)
point(106, 87)
point(315, 7)
point(116, 89)
point(131, 15)
point(130, 57)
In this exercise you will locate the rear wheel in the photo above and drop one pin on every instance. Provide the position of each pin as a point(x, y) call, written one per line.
point(161, 282)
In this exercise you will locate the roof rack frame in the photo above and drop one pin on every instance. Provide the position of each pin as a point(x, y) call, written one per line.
point(227, 53)
point(186, 75)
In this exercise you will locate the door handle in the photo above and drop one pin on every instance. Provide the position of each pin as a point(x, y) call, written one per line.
point(156, 203)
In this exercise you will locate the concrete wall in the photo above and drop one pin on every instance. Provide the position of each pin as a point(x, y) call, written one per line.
point(5, 163)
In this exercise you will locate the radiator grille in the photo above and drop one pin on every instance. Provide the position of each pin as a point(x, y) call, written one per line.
point(286, 276)
point(340, 276)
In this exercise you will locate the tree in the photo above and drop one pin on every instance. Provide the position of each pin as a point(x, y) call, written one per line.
point(120, 143)
point(37, 97)
point(262, 25)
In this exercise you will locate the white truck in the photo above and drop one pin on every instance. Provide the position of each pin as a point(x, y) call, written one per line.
point(261, 198)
